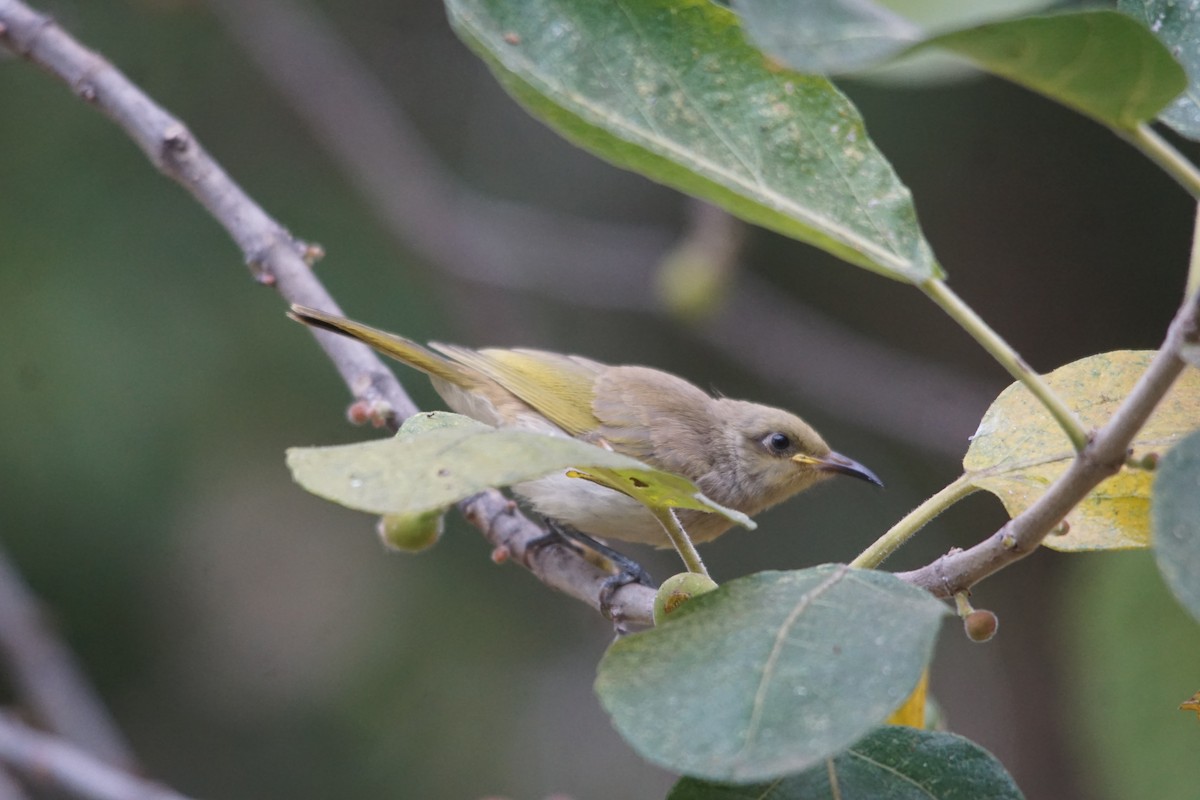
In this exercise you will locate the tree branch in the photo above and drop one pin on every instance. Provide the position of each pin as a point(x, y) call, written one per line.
point(1103, 456)
point(9, 788)
point(277, 259)
point(49, 761)
point(273, 255)
point(47, 678)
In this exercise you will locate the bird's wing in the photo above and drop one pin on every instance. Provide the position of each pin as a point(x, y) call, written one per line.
point(658, 418)
point(558, 387)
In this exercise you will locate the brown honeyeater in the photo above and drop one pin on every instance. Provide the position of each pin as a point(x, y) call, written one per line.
point(743, 455)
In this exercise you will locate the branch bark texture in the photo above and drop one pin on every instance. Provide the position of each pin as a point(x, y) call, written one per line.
point(47, 678)
point(51, 762)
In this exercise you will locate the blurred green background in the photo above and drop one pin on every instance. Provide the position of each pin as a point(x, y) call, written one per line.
point(254, 641)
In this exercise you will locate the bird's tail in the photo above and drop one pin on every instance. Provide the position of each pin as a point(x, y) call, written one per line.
point(399, 348)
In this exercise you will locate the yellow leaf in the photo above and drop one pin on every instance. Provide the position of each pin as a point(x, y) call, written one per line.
point(659, 490)
point(912, 711)
point(1191, 704)
point(1019, 450)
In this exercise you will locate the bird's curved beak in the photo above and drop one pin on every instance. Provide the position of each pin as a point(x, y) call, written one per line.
point(836, 462)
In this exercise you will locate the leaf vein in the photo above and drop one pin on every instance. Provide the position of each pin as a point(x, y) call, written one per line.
point(769, 666)
point(664, 146)
point(893, 771)
point(752, 170)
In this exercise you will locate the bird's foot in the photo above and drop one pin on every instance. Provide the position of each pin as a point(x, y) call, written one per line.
point(626, 570)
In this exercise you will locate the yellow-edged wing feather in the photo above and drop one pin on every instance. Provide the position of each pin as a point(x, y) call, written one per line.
point(399, 348)
point(560, 388)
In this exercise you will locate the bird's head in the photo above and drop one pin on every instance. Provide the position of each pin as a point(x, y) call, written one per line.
point(775, 454)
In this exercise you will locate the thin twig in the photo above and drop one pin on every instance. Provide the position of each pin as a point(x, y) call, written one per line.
point(9, 788)
point(1104, 456)
point(50, 761)
point(277, 259)
point(557, 565)
point(47, 678)
point(274, 256)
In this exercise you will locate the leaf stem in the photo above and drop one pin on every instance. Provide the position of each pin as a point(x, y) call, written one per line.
point(964, 315)
point(681, 540)
point(1160, 151)
point(962, 603)
point(912, 522)
point(1193, 278)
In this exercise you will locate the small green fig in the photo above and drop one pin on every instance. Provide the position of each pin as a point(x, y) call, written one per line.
point(677, 590)
point(411, 533)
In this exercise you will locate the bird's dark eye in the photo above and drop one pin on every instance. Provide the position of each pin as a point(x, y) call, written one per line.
point(779, 442)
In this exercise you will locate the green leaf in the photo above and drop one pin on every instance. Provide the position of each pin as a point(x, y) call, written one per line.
point(827, 37)
point(1177, 25)
point(770, 674)
point(892, 762)
point(1175, 515)
point(1019, 450)
point(429, 421)
point(1099, 62)
point(671, 89)
point(439, 458)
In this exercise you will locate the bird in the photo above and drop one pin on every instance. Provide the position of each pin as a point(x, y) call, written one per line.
point(743, 455)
